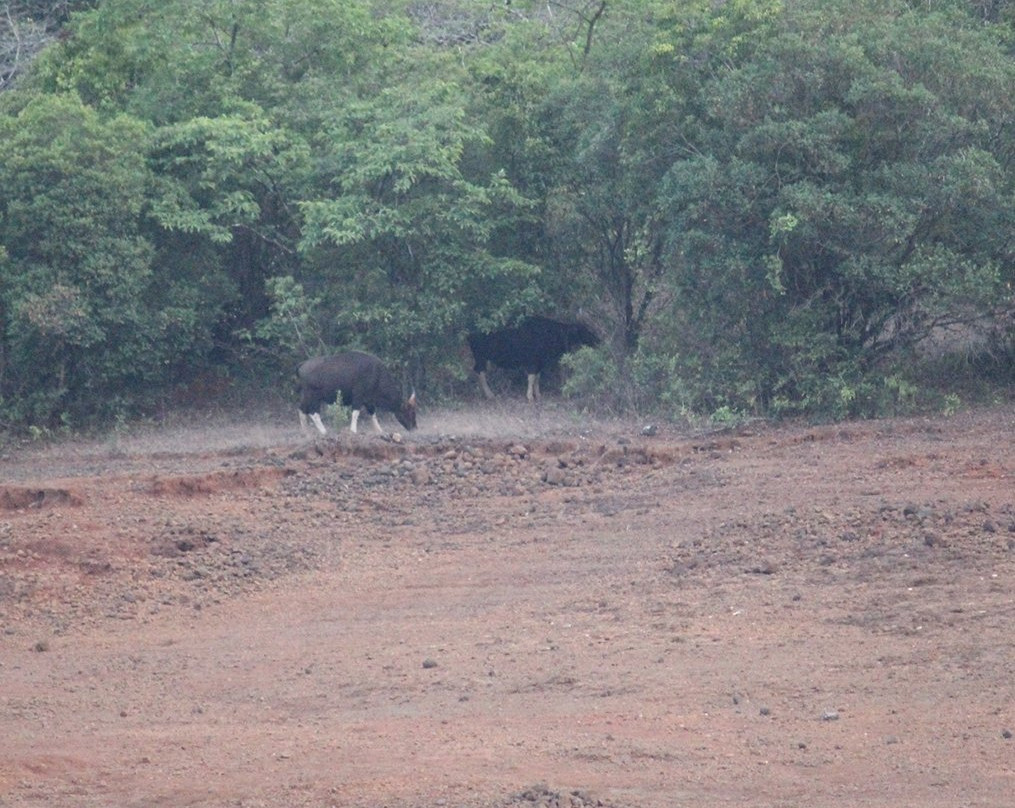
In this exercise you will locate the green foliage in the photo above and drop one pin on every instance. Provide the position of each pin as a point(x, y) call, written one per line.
point(766, 207)
point(590, 371)
point(404, 247)
point(647, 382)
point(213, 173)
point(76, 302)
point(292, 324)
point(845, 197)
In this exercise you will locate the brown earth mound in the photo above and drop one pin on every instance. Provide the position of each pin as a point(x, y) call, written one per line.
point(14, 498)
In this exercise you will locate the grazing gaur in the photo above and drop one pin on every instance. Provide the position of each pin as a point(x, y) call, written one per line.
point(360, 381)
point(532, 345)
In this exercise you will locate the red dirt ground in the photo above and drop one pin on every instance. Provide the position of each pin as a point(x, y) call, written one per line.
point(512, 608)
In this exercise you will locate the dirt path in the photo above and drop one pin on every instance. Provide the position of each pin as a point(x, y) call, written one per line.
point(549, 613)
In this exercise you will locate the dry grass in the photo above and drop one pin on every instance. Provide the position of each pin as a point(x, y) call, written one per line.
point(221, 432)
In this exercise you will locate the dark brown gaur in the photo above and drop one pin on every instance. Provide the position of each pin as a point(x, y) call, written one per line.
point(360, 380)
point(532, 345)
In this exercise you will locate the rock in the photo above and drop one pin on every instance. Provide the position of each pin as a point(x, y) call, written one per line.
point(554, 475)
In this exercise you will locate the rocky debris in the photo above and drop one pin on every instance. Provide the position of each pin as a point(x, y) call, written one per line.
point(887, 537)
point(312, 502)
point(309, 504)
point(461, 471)
point(542, 796)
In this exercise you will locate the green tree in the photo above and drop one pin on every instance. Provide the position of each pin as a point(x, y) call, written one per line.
point(87, 327)
point(847, 188)
point(235, 95)
point(761, 204)
point(403, 243)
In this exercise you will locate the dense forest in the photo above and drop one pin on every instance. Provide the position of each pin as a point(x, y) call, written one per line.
point(764, 207)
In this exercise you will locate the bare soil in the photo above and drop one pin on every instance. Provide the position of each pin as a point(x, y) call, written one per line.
point(512, 607)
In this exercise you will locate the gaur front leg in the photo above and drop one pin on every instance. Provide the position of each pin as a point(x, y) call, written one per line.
point(316, 418)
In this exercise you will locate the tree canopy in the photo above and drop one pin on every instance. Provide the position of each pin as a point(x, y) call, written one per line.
point(763, 206)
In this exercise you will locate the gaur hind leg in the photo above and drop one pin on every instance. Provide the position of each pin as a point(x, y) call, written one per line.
point(532, 394)
point(483, 385)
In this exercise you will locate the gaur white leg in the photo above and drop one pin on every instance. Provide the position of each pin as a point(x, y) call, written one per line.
point(355, 418)
point(533, 392)
point(484, 386)
point(316, 418)
point(303, 421)
point(377, 425)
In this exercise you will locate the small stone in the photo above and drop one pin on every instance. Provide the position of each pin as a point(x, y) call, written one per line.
point(830, 715)
point(1006, 734)
point(555, 475)
point(429, 663)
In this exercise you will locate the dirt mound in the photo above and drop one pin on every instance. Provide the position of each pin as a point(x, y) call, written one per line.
point(215, 482)
point(15, 498)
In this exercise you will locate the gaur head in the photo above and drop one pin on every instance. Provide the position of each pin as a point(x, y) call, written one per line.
point(407, 414)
